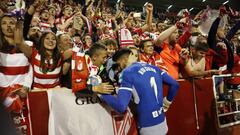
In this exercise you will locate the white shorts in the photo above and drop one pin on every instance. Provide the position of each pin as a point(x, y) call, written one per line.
point(159, 129)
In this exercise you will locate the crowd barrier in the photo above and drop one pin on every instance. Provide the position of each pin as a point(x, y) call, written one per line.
point(192, 113)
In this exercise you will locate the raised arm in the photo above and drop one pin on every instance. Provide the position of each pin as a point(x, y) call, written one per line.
point(184, 38)
point(66, 24)
point(165, 34)
point(212, 34)
point(27, 19)
point(149, 10)
point(20, 42)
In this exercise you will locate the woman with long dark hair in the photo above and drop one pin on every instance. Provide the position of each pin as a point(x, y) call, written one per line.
point(47, 62)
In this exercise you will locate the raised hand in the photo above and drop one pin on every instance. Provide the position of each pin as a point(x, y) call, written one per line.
point(18, 33)
point(149, 7)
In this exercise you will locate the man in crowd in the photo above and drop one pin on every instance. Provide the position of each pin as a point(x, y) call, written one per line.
point(197, 64)
point(85, 70)
point(150, 56)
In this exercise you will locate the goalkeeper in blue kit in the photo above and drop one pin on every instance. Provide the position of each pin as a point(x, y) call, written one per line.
point(144, 83)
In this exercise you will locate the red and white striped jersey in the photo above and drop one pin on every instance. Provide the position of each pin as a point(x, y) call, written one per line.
point(47, 80)
point(45, 26)
point(15, 68)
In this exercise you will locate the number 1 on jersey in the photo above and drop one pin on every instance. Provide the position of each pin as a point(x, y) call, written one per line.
point(154, 85)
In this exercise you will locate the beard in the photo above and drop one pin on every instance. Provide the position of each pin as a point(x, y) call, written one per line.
point(34, 37)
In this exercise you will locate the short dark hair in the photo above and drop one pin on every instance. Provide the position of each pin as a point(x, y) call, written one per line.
point(95, 48)
point(201, 46)
point(107, 42)
point(120, 53)
point(141, 45)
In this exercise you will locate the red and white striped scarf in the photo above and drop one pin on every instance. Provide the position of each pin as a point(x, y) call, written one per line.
point(125, 37)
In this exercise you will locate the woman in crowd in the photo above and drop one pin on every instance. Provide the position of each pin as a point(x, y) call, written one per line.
point(47, 62)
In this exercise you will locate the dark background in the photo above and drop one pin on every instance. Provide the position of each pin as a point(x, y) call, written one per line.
point(162, 5)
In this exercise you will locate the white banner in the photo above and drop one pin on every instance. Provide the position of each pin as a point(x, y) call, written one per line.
point(84, 116)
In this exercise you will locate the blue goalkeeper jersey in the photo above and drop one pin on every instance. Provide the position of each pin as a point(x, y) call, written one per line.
point(144, 83)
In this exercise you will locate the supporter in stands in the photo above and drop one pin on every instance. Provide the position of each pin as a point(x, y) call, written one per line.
point(136, 39)
point(31, 24)
point(87, 42)
point(127, 26)
point(171, 47)
point(196, 64)
point(52, 14)
point(34, 35)
point(111, 46)
point(64, 42)
point(15, 70)
point(66, 20)
point(161, 27)
point(151, 118)
point(236, 40)
point(47, 62)
point(148, 22)
point(35, 21)
point(219, 42)
point(85, 71)
point(78, 42)
point(44, 24)
point(153, 30)
point(148, 54)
